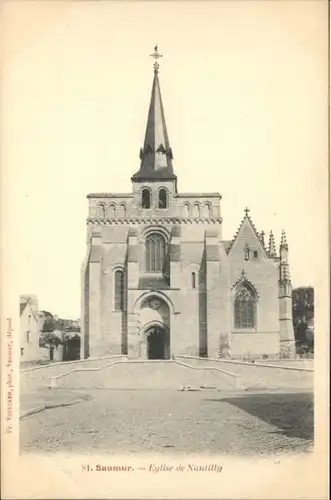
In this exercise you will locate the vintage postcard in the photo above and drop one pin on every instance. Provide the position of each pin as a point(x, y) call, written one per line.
point(164, 222)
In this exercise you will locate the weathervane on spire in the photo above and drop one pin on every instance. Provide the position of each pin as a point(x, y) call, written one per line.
point(156, 55)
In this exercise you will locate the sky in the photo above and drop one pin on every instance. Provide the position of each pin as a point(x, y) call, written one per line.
point(244, 87)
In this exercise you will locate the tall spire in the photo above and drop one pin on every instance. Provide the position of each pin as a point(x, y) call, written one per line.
point(272, 245)
point(156, 154)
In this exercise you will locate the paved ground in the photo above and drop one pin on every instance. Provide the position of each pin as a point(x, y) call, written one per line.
point(43, 398)
point(178, 422)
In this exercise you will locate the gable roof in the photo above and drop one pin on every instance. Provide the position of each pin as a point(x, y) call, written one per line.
point(247, 220)
point(22, 307)
point(25, 300)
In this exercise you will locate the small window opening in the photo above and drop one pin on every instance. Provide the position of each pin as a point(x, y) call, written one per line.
point(119, 290)
point(146, 199)
point(28, 337)
point(255, 254)
point(247, 252)
point(193, 280)
point(22, 351)
point(162, 198)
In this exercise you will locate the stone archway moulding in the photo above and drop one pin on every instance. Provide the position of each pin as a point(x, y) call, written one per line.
point(150, 294)
point(152, 324)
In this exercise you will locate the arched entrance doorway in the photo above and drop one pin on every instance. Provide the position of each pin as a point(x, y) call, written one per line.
point(153, 317)
point(157, 343)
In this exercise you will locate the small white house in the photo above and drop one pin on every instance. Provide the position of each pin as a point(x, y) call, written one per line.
point(30, 324)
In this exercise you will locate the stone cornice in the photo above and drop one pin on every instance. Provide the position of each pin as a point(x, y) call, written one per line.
point(104, 221)
point(198, 195)
point(110, 195)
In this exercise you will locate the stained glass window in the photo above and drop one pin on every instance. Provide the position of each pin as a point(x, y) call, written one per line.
point(155, 252)
point(245, 308)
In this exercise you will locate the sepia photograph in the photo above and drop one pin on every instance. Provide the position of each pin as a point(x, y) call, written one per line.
point(166, 167)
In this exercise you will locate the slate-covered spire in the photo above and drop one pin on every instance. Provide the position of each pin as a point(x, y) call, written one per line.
point(156, 154)
point(272, 245)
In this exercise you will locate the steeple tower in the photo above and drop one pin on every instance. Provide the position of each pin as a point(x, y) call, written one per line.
point(156, 154)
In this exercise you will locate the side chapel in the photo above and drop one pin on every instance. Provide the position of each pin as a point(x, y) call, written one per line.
point(159, 280)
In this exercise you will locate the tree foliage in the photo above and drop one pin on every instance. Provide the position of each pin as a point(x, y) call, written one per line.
point(303, 318)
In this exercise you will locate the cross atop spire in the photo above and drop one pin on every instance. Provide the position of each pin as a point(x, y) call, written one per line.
point(247, 210)
point(156, 55)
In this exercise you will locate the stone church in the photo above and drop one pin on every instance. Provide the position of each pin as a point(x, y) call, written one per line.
point(159, 280)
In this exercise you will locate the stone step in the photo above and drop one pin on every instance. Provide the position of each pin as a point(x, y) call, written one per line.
point(160, 375)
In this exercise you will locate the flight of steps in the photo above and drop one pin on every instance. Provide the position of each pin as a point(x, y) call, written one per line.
point(147, 375)
point(181, 373)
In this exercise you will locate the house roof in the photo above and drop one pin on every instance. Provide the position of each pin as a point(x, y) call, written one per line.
point(26, 299)
point(22, 307)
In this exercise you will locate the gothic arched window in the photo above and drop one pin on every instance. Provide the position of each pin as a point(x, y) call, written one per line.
point(119, 290)
point(156, 249)
point(163, 198)
point(245, 308)
point(193, 280)
point(146, 198)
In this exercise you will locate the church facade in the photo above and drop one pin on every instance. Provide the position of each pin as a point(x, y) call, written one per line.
point(158, 279)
